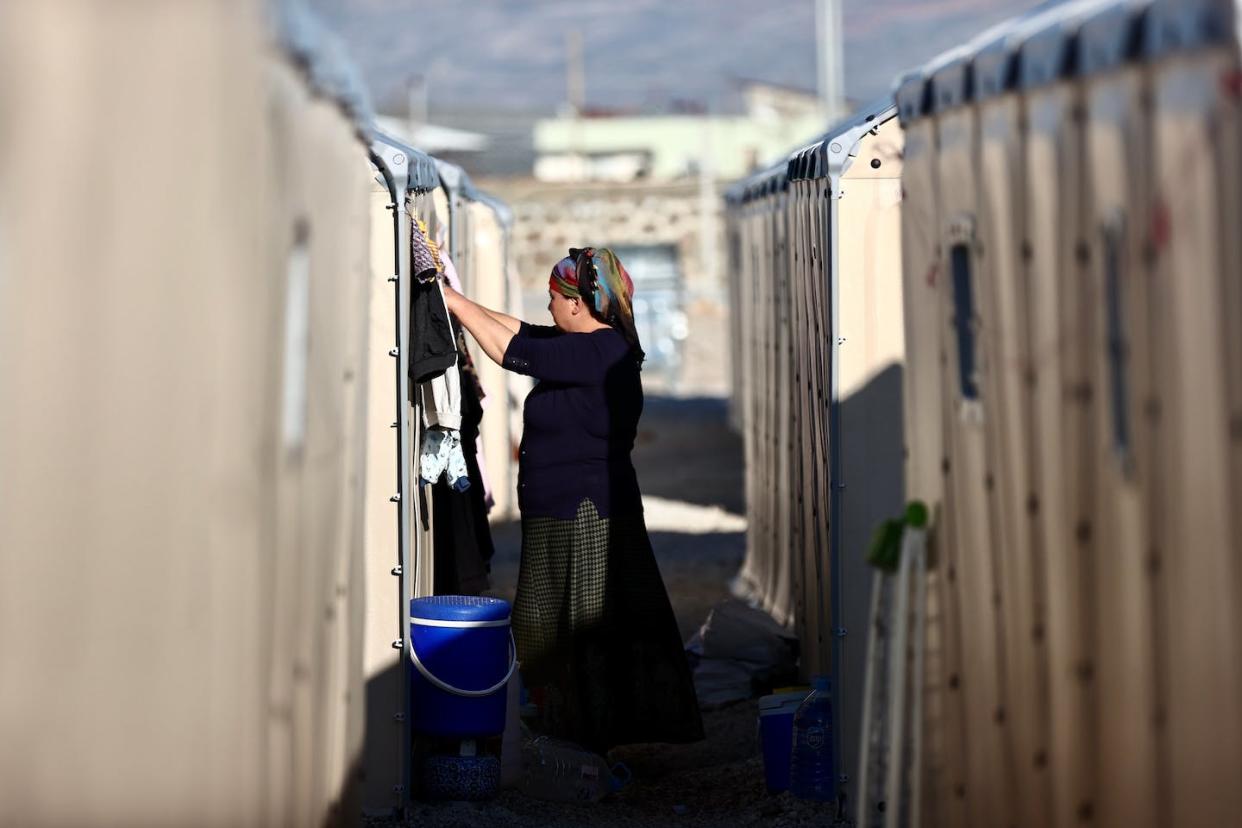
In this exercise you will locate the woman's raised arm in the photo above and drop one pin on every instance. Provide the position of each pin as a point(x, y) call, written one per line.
point(491, 329)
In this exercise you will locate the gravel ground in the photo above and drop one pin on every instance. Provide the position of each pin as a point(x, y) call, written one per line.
point(690, 468)
point(717, 782)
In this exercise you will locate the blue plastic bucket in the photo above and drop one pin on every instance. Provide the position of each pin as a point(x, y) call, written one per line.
point(776, 715)
point(462, 657)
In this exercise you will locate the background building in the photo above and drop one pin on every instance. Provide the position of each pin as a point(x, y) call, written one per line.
point(648, 186)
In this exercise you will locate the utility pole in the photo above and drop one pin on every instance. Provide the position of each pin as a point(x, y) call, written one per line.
point(576, 73)
point(416, 102)
point(830, 49)
point(576, 91)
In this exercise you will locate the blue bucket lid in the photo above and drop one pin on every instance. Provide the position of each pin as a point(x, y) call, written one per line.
point(458, 608)
point(778, 702)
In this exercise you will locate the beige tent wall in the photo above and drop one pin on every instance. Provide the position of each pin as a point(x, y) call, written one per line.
point(1004, 350)
point(487, 283)
point(1102, 208)
point(781, 228)
point(381, 661)
point(809, 324)
point(766, 573)
point(1197, 261)
point(971, 568)
point(1061, 329)
point(181, 343)
point(324, 209)
point(943, 763)
point(481, 266)
point(871, 356)
point(383, 610)
point(1127, 493)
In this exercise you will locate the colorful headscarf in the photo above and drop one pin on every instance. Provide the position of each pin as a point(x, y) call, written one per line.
point(597, 277)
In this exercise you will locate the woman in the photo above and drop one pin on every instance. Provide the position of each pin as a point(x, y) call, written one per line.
point(594, 628)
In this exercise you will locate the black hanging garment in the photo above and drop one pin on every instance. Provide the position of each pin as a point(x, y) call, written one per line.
point(431, 337)
point(463, 538)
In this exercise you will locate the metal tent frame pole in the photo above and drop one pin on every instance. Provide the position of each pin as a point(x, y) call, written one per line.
point(839, 147)
point(393, 165)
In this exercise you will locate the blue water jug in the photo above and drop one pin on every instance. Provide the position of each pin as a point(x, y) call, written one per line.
point(811, 772)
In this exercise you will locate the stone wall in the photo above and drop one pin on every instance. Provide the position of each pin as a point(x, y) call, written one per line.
point(551, 218)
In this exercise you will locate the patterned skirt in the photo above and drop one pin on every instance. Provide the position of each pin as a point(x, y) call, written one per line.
point(596, 636)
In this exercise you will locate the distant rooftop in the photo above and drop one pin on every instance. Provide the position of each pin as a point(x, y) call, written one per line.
point(432, 138)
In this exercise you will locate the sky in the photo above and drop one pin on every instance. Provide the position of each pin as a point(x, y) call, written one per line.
point(511, 54)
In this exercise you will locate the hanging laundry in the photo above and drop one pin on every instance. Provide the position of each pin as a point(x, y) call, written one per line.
point(442, 455)
point(441, 398)
point(467, 368)
point(463, 539)
point(452, 409)
point(425, 262)
point(432, 351)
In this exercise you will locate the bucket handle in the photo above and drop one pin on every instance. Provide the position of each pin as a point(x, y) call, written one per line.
point(469, 694)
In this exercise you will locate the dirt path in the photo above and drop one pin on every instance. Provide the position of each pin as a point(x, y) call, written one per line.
point(690, 467)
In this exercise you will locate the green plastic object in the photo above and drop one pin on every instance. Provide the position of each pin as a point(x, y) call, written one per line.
point(916, 514)
point(885, 550)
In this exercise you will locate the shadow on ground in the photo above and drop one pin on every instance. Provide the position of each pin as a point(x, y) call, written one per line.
point(690, 467)
point(687, 457)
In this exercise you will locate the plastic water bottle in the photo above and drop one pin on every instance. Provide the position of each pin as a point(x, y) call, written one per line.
point(811, 774)
point(563, 772)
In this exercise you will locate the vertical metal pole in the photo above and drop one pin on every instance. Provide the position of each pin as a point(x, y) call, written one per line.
point(394, 166)
point(405, 494)
point(837, 485)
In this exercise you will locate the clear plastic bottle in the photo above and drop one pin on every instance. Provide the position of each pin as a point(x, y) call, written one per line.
point(563, 772)
point(811, 771)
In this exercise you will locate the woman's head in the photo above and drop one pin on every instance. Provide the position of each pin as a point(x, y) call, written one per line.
point(591, 285)
point(565, 303)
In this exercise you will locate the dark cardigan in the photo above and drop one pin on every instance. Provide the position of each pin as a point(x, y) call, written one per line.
point(580, 421)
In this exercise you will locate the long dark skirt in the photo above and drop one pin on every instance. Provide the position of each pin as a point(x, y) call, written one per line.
point(596, 635)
